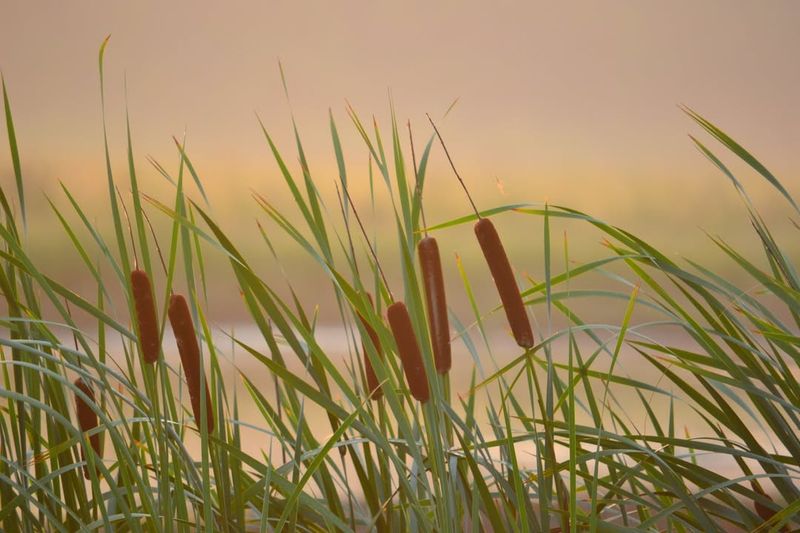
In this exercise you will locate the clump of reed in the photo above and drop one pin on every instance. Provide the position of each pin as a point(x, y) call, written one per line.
point(437, 468)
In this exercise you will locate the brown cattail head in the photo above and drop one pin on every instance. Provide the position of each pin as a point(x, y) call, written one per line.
point(507, 287)
point(408, 349)
point(181, 321)
point(372, 380)
point(764, 512)
point(438, 322)
point(87, 420)
point(146, 319)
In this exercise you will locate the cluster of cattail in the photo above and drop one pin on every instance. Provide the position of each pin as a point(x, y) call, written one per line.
point(180, 319)
point(433, 283)
point(183, 328)
point(436, 302)
point(408, 347)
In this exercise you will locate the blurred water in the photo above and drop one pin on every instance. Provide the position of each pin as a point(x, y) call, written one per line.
point(256, 438)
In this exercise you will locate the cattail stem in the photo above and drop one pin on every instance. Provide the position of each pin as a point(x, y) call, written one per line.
point(433, 282)
point(366, 238)
point(87, 420)
point(453, 166)
point(373, 385)
point(146, 319)
point(181, 321)
point(130, 228)
point(504, 280)
point(408, 349)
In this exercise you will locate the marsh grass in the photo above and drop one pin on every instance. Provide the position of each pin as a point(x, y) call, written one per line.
point(542, 437)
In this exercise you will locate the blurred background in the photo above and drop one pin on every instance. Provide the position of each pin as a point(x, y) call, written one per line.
point(574, 105)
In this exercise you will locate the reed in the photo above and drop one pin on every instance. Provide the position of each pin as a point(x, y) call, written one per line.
point(496, 258)
point(182, 326)
point(408, 350)
point(435, 298)
point(87, 421)
point(146, 319)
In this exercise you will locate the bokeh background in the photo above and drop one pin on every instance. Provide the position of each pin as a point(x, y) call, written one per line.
point(572, 104)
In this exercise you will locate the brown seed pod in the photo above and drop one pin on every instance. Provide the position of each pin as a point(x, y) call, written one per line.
point(181, 321)
point(408, 349)
point(87, 420)
point(764, 512)
point(372, 380)
point(146, 319)
point(507, 287)
point(433, 281)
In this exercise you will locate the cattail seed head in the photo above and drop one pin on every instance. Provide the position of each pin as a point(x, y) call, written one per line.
point(504, 280)
point(433, 281)
point(372, 380)
point(146, 319)
point(764, 512)
point(182, 326)
point(87, 420)
point(408, 349)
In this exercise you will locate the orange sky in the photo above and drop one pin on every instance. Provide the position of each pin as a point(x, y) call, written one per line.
point(575, 104)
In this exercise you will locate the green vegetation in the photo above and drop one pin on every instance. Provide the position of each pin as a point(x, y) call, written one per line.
point(544, 440)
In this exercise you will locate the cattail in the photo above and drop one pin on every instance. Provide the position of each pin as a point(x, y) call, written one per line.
point(372, 380)
point(181, 321)
point(408, 349)
point(438, 322)
point(498, 263)
point(87, 420)
point(764, 512)
point(496, 257)
point(145, 315)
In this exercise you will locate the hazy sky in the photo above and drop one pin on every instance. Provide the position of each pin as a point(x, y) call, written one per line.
point(576, 103)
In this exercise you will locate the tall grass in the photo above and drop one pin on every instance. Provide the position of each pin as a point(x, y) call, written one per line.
point(546, 438)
